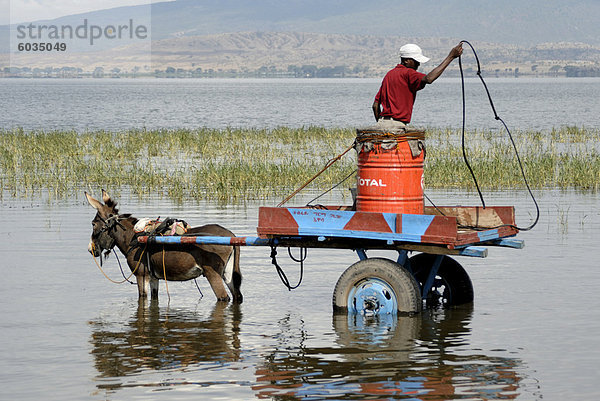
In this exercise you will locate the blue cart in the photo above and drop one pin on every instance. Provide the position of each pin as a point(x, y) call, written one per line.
point(429, 278)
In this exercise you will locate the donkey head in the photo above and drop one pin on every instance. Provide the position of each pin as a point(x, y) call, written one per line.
point(103, 224)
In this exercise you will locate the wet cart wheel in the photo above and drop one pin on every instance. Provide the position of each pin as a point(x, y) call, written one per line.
point(451, 285)
point(376, 286)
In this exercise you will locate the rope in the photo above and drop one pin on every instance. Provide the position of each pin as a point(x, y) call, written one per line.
point(108, 278)
point(199, 290)
point(509, 136)
point(464, 153)
point(281, 273)
point(377, 136)
point(327, 165)
point(332, 188)
point(165, 274)
point(121, 267)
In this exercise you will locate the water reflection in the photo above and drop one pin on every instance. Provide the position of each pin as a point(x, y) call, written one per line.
point(164, 339)
point(424, 357)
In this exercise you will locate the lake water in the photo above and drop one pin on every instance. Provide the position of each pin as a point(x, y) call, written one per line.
point(89, 104)
point(68, 333)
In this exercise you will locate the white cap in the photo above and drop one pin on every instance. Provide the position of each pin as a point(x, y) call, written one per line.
point(413, 51)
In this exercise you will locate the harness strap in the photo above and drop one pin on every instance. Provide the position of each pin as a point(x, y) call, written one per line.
point(114, 281)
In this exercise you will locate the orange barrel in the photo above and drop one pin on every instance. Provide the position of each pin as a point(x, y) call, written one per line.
point(390, 170)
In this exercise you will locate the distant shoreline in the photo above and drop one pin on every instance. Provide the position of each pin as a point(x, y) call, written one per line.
point(59, 76)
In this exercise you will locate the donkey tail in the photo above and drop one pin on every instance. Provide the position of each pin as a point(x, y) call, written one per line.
point(237, 276)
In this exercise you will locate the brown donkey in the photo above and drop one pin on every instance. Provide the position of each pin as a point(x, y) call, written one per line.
point(218, 263)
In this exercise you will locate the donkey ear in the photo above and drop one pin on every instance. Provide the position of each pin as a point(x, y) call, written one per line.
point(105, 196)
point(93, 202)
point(108, 201)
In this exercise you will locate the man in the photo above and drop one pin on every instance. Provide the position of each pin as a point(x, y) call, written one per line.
point(400, 85)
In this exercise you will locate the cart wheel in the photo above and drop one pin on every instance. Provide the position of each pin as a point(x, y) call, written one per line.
point(376, 286)
point(451, 286)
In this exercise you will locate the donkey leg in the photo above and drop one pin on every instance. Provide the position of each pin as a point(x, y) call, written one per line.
point(153, 288)
point(142, 284)
point(216, 283)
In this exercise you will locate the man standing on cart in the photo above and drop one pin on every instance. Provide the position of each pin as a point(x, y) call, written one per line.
point(394, 101)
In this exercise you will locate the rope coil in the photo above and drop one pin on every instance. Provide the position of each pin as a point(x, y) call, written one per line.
point(496, 117)
point(379, 136)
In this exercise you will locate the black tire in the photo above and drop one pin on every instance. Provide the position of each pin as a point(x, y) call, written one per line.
point(405, 288)
point(452, 285)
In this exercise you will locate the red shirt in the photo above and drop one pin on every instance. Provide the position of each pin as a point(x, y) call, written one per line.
point(398, 92)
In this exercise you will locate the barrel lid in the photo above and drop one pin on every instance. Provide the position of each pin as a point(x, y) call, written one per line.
point(399, 131)
point(376, 133)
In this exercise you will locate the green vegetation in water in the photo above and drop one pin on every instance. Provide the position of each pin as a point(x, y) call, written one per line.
point(232, 165)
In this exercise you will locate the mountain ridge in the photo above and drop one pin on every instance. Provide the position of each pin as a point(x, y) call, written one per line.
point(507, 22)
point(243, 35)
point(243, 53)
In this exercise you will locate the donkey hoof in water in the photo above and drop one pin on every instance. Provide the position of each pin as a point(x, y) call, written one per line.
point(220, 264)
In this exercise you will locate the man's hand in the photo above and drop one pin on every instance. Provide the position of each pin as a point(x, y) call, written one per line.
point(376, 110)
point(456, 51)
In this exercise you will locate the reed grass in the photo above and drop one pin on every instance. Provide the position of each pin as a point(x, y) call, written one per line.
point(231, 165)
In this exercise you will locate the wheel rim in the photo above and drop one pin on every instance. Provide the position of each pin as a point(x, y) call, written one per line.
point(451, 285)
point(372, 296)
point(440, 293)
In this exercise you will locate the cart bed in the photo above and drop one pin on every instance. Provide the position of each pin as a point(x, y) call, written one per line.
point(450, 230)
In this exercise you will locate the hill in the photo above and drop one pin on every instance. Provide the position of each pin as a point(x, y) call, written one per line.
point(359, 53)
point(350, 37)
point(308, 54)
point(518, 22)
point(523, 23)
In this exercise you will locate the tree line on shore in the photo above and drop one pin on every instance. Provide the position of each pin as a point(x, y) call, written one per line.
point(292, 71)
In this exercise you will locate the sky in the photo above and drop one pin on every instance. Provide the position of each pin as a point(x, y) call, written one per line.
point(31, 10)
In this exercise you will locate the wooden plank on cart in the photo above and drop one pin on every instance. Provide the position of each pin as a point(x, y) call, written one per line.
point(476, 216)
